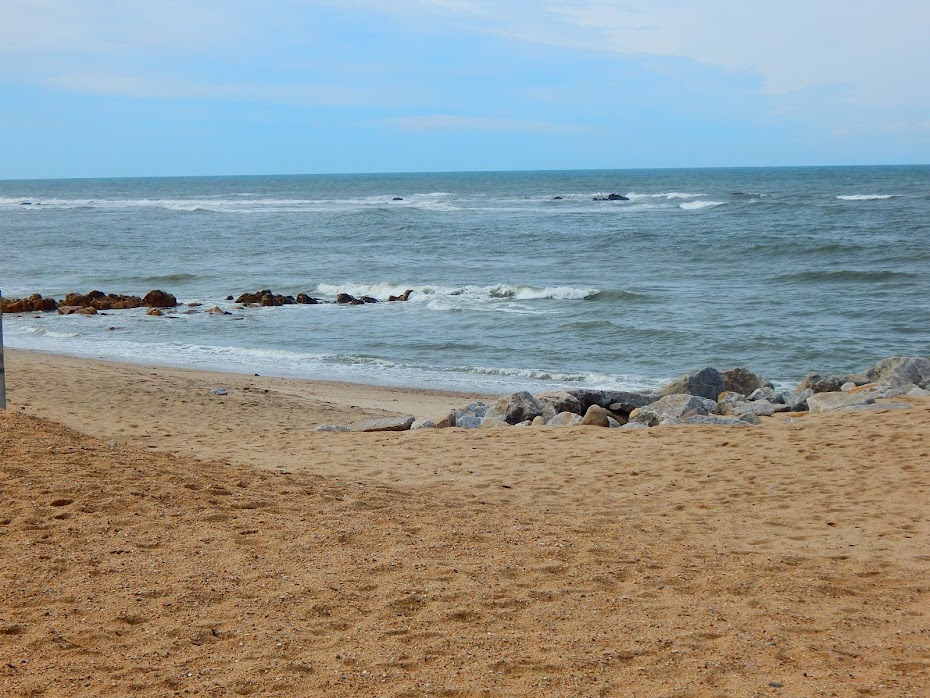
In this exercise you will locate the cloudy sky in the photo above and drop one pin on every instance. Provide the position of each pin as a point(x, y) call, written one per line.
point(196, 87)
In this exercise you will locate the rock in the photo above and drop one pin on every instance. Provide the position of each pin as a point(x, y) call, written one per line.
point(796, 401)
point(229, 298)
point(749, 418)
point(556, 198)
point(386, 424)
point(560, 401)
point(618, 401)
point(925, 384)
point(898, 371)
point(764, 393)
point(405, 296)
point(89, 310)
point(397, 198)
point(368, 299)
point(613, 423)
point(423, 423)
point(742, 380)
point(634, 425)
point(514, 408)
point(345, 299)
point(154, 312)
point(217, 310)
point(707, 383)
point(830, 402)
point(159, 299)
point(759, 408)
point(304, 299)
point(525, 423)
point(539, 421)
point(445, 421)
point(564, 419)
point(331, 427)
point(617, 197)
point(821, 384)
point(466, 421)
point(596, 417)
point(918, 392)
point(33, 304)
point(218, 391)
point(67, 309)
point(678, 406)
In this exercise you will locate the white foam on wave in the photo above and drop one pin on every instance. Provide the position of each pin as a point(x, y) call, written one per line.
point(634, 196)
point(697, 205)
point(868, 197)
point(382, 290)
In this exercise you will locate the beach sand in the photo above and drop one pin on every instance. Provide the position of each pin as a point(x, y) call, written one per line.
point(158, 540)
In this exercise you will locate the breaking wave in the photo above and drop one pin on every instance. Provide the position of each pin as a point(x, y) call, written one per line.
point(868, 197)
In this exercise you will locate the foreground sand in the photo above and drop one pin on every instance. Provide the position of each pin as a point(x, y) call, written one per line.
point(790, 559)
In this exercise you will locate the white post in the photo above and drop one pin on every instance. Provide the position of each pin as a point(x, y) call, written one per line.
point(2, 372)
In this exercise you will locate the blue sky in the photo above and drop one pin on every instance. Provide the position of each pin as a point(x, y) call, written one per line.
point(127, 88)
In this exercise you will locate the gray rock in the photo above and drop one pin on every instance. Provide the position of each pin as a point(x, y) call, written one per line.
point(742, 380)
point(708, 420)
point(466, 421)
point(475, 409)
point(559, 401)
point(759, 408)
point(707, 383)
point(763, 393)
point(821, 384)
point(525, 423)
point(331, 427)
point(613, 423)
point(539, 421)
point(564, 419)
point(672, 407)
point(847, 386)
point(898, 371)
point(918, 392)
point(925, 384)
point(445, 421)
point(595, 416)
point(386, 424)
point(796, 401)
point(423, 423)
point(616, 400)
point(634, 425)
point(829, 402)
point(514, 408)
point(219, 391)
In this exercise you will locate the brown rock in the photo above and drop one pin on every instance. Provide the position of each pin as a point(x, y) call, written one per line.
point(89, 310)
point(155, 312)
point(405, 296)
point(159, 299)
point(596, 416)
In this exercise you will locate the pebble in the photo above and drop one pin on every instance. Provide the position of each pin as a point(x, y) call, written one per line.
point(218, 391)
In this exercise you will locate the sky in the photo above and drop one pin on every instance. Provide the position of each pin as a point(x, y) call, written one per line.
point(110, 88)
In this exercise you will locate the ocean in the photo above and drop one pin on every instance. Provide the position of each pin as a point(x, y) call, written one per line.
point(521, 280)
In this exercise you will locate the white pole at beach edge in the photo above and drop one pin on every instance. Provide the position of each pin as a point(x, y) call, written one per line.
point(2, 371)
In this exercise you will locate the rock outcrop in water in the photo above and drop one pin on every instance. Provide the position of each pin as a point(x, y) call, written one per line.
point(33, 304)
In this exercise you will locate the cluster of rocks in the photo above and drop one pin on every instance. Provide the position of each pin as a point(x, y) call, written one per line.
point(88, 303)
point(266, 297)
point(734, 397)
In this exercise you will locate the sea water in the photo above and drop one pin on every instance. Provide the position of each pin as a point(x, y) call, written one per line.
point(521, 280)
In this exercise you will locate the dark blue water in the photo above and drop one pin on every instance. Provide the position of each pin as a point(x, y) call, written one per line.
point(780, 269)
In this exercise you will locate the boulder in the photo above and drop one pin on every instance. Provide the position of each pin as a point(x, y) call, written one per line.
point(68, 309)
point(348, 299)
point(159, 299)
point(613, 423)
point(618, 401)
point(559, 401)
point(759, 408)
point(707, 383)
point(369, 299)
point(89, 310)
point(217, 310)
point(634, 425)
point(898, 371)
point(514, 408)
point(678, 406)
point(617, 197)
point(154, 312)
point(539, 421)
point(564, 419)
point(445, 421)
point(765, 393)
point(467, 421)
point(386, 424)
point(304, 299)
point(796, 401)
point(742, 380)
point(596, 416)
point(398, 198)
point(821, 384)
point(33, 304)
point(423, 423)
point(830, 402)
point(405, 296)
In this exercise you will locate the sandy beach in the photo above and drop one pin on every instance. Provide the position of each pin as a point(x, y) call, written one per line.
point(159, 540)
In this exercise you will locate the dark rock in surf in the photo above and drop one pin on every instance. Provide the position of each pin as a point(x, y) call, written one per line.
point(397, 198)
point(304, 299)
point(405, 296)
point(617, 197)
point(33, 304)
point(159, 299)
point(369, 299)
